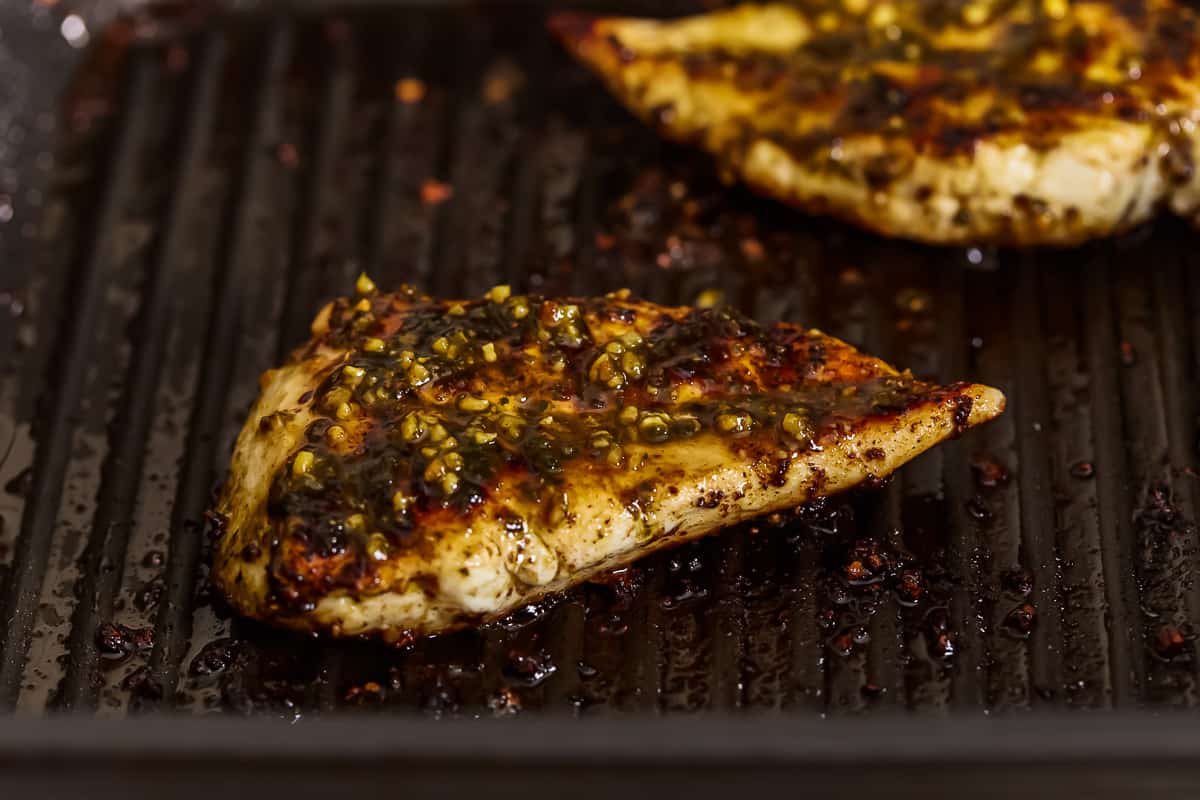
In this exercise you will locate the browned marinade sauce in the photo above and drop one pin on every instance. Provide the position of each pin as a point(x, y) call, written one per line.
point(446, 400)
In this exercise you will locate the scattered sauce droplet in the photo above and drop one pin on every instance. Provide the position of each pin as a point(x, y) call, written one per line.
point(21, 484)
point(911, 587)
point(116, 641)
point(989, 473)
point(978, 509)
point(215, 657)
point(943, 643)
point(1020, 620)
point(1018, 581)
point(1170, 643)
point(504, 702)
point(528, 669)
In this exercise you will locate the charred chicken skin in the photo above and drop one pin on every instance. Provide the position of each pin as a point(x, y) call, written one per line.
point(1007, 121)
point(422, 465)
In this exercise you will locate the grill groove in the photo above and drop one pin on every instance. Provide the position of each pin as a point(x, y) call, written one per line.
point(1114, 510)
point(119, 486)
point(1037, 518)
point(227, 320)
point(53, 457)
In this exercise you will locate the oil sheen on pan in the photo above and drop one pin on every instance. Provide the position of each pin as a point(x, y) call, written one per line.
point(1006, 121)
point(421, 465)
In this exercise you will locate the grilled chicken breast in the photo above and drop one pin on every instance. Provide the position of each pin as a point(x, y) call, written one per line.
point(420, 465)
point(1006, 121)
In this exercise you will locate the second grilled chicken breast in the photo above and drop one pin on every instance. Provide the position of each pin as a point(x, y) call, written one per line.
point(421, 464)
point(1007, 121)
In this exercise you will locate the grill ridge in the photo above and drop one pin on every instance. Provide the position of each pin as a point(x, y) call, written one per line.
point(1037, 518)
point(316, 266)
point(119, 488)
point(885, 521)
point(1114, 511)
point(1086, 645)
point(1007, 659)
point(1173, 363)
point(966, 690)
point(174, 618)
point(1162, 571)
point(33, 543)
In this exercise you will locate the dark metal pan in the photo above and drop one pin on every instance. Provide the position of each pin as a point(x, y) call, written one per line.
point(217, 177)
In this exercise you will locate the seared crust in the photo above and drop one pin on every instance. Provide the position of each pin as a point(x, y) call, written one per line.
point(1010, 121)
point(421, 465)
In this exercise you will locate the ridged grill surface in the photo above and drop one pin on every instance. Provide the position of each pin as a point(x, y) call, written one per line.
point(214, 189)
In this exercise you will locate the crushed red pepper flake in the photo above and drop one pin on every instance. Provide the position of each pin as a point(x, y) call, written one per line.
point(288, 155)
point(503, 81)
point(435, 192)
point(410, 90)
point(753, 250)
point(177, 58)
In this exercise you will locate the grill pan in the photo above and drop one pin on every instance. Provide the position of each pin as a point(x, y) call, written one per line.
point(216, 177)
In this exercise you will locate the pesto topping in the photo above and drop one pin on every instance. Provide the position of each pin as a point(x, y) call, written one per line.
point(437, 402)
